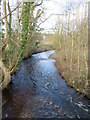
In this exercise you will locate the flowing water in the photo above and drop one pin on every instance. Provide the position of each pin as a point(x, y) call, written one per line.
point(38, 91)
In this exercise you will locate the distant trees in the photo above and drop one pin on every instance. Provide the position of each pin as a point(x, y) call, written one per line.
point(72, 53)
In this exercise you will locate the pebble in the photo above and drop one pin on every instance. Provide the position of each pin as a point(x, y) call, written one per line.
point(50, 103)
point(47, 84)
point(55, 88)
point(6, 115)
point(56, 106)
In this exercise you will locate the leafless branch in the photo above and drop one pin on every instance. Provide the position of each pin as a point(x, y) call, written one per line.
point(10, 13)
point(39, 3)
point(49, 17)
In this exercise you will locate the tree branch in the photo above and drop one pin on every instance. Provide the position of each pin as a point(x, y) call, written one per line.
point(39, 3)
point(21, 12)
point(10, 13)
point(49, 17)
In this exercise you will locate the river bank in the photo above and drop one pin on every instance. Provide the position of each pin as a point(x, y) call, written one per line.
point(71, 79)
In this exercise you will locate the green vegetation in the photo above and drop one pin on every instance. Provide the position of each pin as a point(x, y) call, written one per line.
point(19, 42)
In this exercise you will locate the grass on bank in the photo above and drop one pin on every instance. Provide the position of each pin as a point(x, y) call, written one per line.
point(72, 57)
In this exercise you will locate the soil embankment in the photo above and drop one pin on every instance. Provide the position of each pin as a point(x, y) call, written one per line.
point(65, 73)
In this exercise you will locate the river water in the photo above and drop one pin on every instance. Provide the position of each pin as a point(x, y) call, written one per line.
point(38, 91)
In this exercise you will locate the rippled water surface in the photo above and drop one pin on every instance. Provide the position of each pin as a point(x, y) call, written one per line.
point(39, 91)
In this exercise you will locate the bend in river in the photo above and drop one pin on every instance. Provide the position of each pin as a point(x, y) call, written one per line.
point(39, 91)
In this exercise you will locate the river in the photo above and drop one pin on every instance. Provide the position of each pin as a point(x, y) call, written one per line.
point(38, 91)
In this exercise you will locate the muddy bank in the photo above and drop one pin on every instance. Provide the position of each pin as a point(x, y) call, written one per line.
point(38, 91)
point(65, 73)
point(40, 48)
point(43, 48)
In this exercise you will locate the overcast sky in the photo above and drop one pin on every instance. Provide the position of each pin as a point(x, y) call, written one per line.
point(56, 7)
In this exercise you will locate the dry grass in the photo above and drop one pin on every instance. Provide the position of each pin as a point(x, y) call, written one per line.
point(75, 72)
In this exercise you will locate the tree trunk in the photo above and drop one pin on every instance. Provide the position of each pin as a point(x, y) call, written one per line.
point(17, 15)
point(10, 20)
point(5, 13)
point(7, 79)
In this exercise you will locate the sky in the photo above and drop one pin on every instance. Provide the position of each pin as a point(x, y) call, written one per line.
point(55, 7)
point(58, 7)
